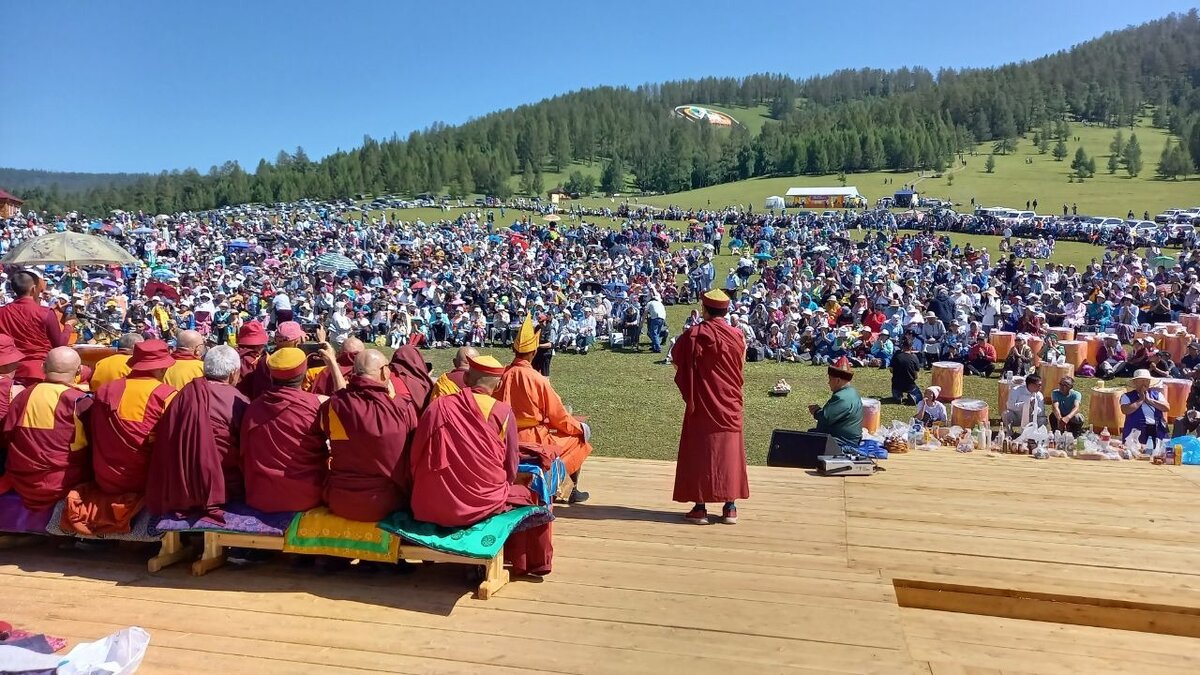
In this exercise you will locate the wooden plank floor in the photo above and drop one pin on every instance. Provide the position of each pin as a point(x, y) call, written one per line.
point(802, 584)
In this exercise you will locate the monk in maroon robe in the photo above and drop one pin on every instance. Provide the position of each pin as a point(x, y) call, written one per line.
point(196, 464)
point(464, 466)
point(711, 466)
point(350, 349)
point(369, 425)
point(409, 366)
point(10, 357)
point(252, 346)
point(284, 458)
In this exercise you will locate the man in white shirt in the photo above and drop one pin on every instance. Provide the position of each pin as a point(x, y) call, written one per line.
point(587, 331)
point(281, 308)
point(1026, 404)
point(656, 319)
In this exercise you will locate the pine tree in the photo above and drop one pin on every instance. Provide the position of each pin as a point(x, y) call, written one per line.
point(1117, 145)
point(989, 164)
point(1194, 143)
point(1082, 165)
point(1133, 156)
point(1166, 162)
point(1043, 144)
point(612, 177)
point(1060, 150)
point(1113, 163)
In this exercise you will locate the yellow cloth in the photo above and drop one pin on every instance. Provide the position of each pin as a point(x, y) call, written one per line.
point(320, 532)
point(527, 338)
point(184, 371)
point(444, 386)
point(310, 377)
point(110, 368)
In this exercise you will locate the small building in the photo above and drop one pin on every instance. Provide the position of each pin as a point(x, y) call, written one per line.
point(558, 195)
point(9, 204)
point(824, 198)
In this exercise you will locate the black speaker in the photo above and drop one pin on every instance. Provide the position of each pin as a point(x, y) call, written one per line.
point(799, 449)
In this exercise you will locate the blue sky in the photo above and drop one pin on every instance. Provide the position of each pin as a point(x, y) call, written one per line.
point(143, 86)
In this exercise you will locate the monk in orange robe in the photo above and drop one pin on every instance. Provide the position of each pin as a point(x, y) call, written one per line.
point(711, 464)
point(284, 458)
point(464, 461)
point(541, 417)
point(454, 381)
point(188, 355)
point(116, 366)
point(124, 415)
point(350, 349)
point(46, 433)
point(369, 425)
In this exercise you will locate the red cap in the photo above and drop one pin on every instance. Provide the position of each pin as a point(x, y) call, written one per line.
point(252, 334)
point(715, 300)
point(8, 351)
point(150, 355)
point(290, 331)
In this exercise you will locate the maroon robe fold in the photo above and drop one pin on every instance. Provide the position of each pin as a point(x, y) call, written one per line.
point(256, 376)
point(195, 466)
point(711, 465)
point(369, 434)
point(284, 458)
point(408, 365)
point(323, 384)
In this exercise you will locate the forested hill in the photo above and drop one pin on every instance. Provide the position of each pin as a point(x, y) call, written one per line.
point(18, 180)
point(852, 120)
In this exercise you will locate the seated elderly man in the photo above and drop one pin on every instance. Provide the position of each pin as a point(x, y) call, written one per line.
point(196, 463)
point(454, 380)
point(464, 466)
point(46, 433)
point(188, 355)
point(116, 366)
point(1026, 405)
point(368, 425)
point(284, 458)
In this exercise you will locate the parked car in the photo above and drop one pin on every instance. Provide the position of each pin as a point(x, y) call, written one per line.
point(1167, 216)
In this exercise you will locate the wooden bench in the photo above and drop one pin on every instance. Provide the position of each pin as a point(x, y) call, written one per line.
point(170, 550)
point(494, 574)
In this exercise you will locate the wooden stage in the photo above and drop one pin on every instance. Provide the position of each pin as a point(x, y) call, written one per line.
point(803, 584)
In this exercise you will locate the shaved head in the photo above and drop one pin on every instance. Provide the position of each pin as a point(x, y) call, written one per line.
point(462, 355)
point(128, 340)
point(62, 365)
point(189, 339)
point(371, 363)
point(352, 346)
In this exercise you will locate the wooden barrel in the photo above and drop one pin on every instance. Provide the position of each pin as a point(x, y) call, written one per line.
point(1177, 391)
point(949, 376)
point(1051, 373)
point(1168, 327)
point(1063, 332)
point(1035, 344)
point(1104, 409)
point(91, 354)
point(1176, 344)
point(1076, 353)
point(872, 409)
point(967, 412)
point(1004, 389)
point(1191, 323)
point(1093, 341)
point(1003, 341)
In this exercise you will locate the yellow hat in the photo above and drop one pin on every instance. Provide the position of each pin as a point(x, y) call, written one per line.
point(715, 299)
point(287, 363)
point(486, 365)
point(527, 337)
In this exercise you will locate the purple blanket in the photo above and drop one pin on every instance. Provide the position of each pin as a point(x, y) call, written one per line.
point(17, 519)
point(239, 519)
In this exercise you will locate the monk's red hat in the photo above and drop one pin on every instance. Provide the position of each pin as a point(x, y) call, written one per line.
point(287, 364)
point(486, 365)
point(715, 300)
point(841, 369)
point(8, 351)
point(252, 334)
point(30, 372)
point(150, 355)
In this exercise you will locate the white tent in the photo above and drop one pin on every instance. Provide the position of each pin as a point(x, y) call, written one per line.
point(774, 203)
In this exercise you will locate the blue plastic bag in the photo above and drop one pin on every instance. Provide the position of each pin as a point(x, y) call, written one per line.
point(1191, 448)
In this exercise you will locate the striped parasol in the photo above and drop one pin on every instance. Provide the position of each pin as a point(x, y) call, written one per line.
point(334, 262)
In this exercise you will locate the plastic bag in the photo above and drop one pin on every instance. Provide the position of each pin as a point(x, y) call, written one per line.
point(1032, 432)
point(118, 654)
point(1191, 448)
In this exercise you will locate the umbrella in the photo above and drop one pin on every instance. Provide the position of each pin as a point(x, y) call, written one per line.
point(238, 243)
point(552, 218)
point(163, 273)
point(272, 262)
point(68, 248)
point(1162, 261)
point(593, 286)
point(335, 262)
point(104, 282)
point(763, 256)
point(143, 230)
point(159, 288)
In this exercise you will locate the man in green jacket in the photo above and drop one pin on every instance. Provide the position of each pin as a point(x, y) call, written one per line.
point(842, 415)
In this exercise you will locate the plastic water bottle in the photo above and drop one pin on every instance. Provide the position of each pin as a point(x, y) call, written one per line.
point(1105, 437)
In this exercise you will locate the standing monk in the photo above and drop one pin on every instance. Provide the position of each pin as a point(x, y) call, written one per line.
point(711, 466)
point(251, 345)
point(454, 381)
point(842, 415)
point(196, 463)
point(116, 366)
point(369, 427)
point(539, 410)
point(46, 433)
point(123, 419)
point(34, 329)
point(464, 466)
point(188, 352)
point(284, 459)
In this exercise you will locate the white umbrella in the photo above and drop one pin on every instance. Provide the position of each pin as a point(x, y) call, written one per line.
point(68, 248)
